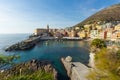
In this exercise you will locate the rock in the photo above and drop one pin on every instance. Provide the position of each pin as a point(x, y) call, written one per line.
point(68, 59)
point(67, 66)
point(33, 65)
point(2, 71)
point(75, 70)
point(91, 60)
point(24, 45)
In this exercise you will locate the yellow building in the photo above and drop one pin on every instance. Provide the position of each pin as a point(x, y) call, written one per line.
point(82, 34)
point(98, 27)
point(77, 28)
point(73, 33)
point(117, 27)
point(118, 35)
point(40, 31)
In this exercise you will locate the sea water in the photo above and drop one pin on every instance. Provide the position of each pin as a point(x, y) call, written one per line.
point(47, 50)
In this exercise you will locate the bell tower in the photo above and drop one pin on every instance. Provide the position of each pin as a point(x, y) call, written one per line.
point(47, 27)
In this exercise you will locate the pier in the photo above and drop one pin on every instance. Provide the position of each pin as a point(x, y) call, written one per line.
point(24, 45)
point(75, 70)
point(32, 41)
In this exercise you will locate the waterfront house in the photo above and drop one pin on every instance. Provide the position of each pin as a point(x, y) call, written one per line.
point(40, 31)
point(82, 34)
point(72, 33)
point(115, 35)
point(101, 35)
point(94, 34)
point(58, 35)
point(109, 33)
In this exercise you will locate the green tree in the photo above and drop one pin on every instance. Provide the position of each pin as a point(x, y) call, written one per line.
point(98, 43)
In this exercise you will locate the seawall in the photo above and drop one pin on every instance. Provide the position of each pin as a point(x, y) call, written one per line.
point(63, 38)
point(24, 45)
point(76, 70)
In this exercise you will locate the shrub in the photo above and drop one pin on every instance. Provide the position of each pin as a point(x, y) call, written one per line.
point(107, 64)
point(98, 43)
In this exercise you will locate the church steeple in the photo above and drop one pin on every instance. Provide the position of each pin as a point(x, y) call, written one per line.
point(47, 27)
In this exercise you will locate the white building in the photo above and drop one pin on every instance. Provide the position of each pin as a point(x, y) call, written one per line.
point(94, 34)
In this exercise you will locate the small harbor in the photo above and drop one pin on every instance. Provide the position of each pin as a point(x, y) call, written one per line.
point(53, 51)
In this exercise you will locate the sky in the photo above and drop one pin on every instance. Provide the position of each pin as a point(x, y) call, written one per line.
point(23, 16)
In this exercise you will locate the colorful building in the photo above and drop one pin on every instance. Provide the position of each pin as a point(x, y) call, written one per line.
point(82, 34)
point(94, 34)
point(39, 31)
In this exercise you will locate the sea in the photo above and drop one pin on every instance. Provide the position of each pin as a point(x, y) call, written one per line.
point(47, 50)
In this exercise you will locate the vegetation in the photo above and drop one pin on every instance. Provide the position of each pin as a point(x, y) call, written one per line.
point(98, 43)
point(111, 13)
point(107, 64)
point(38, 75)
point(23, 71)
point(7, 59)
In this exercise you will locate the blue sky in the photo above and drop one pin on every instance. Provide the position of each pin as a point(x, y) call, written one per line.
point(23, 16)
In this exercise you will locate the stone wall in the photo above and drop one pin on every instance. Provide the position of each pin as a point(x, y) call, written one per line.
point(75, 70)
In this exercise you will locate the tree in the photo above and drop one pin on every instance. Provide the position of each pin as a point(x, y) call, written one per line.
point(98, 43)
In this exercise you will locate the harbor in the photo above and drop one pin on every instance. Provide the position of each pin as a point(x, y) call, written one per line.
point(53, 51)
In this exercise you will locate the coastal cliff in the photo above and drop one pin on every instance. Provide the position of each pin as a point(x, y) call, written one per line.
point(30, 70)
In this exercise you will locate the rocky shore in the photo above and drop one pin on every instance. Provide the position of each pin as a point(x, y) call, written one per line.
point(24, 45)
point(75, 70)
point(29, 67)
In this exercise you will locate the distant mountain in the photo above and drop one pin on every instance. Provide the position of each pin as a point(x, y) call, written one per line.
point(108, 14)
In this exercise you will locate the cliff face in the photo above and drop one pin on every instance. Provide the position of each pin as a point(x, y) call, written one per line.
point(111, 13)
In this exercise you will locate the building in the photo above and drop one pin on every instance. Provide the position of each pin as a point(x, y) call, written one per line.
point(117, 27)
point(40, 31)
point(94, 34)
point(108, 35)
point(115, 35)
point(118, 35)
point(73, 33)
point(82, 34)
point(101, 35)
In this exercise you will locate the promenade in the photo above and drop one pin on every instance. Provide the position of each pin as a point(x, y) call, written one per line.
point(63, 38)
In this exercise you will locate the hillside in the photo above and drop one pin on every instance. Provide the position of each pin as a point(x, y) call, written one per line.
point(111, 13)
